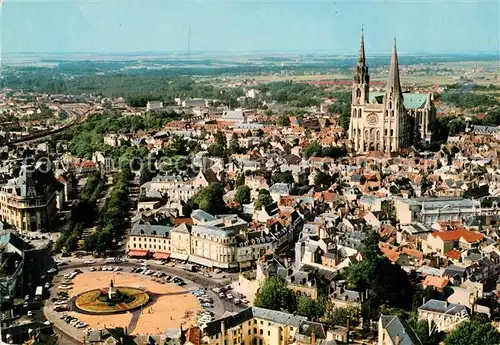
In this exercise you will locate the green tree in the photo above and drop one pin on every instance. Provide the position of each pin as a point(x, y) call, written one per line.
point(477, 331)
point(322, 180)
point(284, 121)
point(421, 328)
point(313, 149)
point(282, 177)
point(209, 199)
point(216, 150)
point(263, 200)
point(456, 126)
point(312, 309)
point(242, 195)
point(275, 295)
point(234, 144)
point(338, 316)
point(71, 243)
point(91, 243)
point(385, 282)
point(220, 138)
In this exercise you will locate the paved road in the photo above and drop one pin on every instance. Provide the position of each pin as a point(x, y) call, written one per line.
point(194, 281)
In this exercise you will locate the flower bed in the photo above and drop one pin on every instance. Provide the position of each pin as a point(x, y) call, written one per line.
point(89, 302)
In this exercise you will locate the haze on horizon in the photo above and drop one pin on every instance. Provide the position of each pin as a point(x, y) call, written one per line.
point(113, 27)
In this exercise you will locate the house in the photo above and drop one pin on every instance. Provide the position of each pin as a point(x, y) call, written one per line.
point(205, 178)
point(154, 105)
point(446, 316)
point(393, 330)
point(442, 242)
point(438, 283)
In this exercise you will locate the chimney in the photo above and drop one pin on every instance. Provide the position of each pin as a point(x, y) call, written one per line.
point(396, 340)
point(423, 300)
point(313, 338)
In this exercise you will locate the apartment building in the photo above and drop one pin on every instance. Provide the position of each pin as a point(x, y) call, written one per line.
point(222, 242)
point(445, 315)
point(146, 238)
point(28, 202)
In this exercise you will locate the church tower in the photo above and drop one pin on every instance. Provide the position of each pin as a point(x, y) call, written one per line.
point(360, 96)
point(361, 77)
point(396, 135)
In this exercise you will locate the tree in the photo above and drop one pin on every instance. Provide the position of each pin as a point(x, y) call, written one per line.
point(91, 243)
point(312, 309)
point(126, 174)
point(216, 150)
point(209, 199)
point(427, 336)
point(263, 200)
point(243, 195)
point(260, 133)
point(234, 144)
point(275, 295)
point(477, 331)
point(220, 138)
point(282, 177)
point(313, 149)
point(322, 180)
point(284, 121)
point(456, 126)
point(71, 243)
point(338, 316)
point(385, 282)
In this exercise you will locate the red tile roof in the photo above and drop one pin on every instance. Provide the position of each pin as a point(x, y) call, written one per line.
point(188, 221)
point(391, 254)
point(437, 282)
point(453, 254)
point(413, 252)
point(455, 235)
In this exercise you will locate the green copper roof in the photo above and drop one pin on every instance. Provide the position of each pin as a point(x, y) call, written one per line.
point(410, 100)
point(414, 100)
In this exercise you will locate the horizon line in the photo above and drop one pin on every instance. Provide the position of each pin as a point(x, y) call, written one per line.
point(250, 52)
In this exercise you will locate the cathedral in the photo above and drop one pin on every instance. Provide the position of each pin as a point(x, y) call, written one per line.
point(391, 120)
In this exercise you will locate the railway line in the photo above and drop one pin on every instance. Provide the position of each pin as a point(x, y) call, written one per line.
point(76, 118)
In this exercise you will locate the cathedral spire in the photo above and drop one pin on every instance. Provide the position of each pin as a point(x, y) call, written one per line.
point(393, 84)
point(361, 55)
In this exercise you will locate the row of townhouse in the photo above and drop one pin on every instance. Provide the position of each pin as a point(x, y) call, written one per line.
point(222, 242)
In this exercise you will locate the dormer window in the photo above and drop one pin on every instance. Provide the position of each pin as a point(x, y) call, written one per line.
point(31, 192)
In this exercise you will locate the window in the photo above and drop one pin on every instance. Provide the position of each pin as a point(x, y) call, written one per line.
point(261, 332)
point(269, 333)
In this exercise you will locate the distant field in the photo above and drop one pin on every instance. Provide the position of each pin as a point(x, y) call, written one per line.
point(482, 72)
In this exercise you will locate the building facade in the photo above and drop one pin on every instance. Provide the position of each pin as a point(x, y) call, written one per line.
point(390, 120)
point(28, 202)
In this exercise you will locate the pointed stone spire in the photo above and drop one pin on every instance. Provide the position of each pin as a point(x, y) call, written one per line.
point(393, 84)
point(361, 55)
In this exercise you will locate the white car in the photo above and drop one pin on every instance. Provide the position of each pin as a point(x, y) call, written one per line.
point(89, 262)
point(74, 322)
point(229, 296)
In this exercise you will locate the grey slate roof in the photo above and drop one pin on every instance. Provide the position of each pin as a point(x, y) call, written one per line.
point(278, 316)
point(151, 230)
point(396, 326)
point(443, 307)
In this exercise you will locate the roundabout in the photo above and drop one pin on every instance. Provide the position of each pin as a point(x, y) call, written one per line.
point(111, 301)
point(132, 301)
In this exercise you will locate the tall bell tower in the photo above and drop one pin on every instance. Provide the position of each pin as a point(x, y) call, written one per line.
point(360, 96)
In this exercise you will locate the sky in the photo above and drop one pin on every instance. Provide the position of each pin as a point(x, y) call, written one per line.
point(107, 26)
